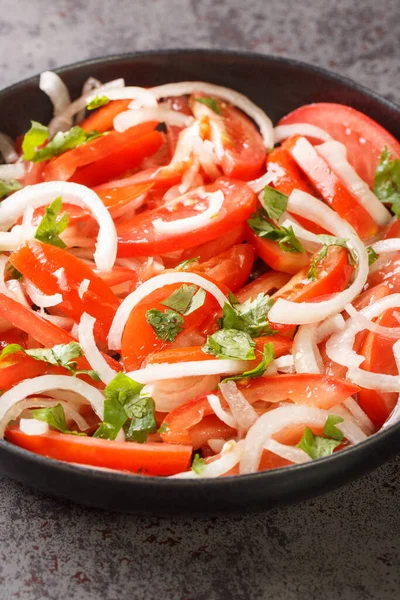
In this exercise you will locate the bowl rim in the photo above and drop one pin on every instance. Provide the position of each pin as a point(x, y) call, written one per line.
point(377, 439)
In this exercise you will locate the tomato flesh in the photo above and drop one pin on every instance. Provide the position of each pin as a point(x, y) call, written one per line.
point(273, 255)
point(102, 119)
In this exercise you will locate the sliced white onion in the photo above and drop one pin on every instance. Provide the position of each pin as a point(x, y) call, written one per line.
point(168, 394)
point(242, 411)
point(230, 456)
point(374, 381)
point(389, 245)
point(275, 420)
point(129, 118)
point(53, 86)
point(196, 368)
point(40, 299)
point(361, 418)
point(191, 224)
point(33, 427)
point(223, 415)
point(282, 132)
point(335, 154)
point(330, 325)
point(291, 453)
point(239, 100)
point(189, 178)
point(310, 240)
point(258, 185)
point(90, 84)
point(12, 171)
point(91, 352)
point(63, 322)
point(307, 358)
point(126, 307)
point(15, 288)
point(83, 287)
point(358, 317)
point(142, 96)
point(11, 399)
point(7, 149)
point(41, 194)
point(285, 364)
point(287, 312)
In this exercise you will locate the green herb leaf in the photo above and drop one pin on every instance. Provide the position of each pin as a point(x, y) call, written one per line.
point(251, 316)
point(211, 103)
point(328, 241)
point(230, 343)
point(35, 137)
point(163, 428)
point(97, 102)
point(167, 325)
point(330, 430)
point(285, 236)
point(259, 370)
point(55, 417)
point(274, 202)
point(372, 255)
point(49, 228)
point(198, 464)
point(6, 187)
point(181, 298)
point(182, 265)
point(387, 181)
point(124, 401)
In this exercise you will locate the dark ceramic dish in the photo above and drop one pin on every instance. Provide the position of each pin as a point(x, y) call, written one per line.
point(278, 85)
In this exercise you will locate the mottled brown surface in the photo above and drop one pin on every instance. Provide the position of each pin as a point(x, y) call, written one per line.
point(343, 545)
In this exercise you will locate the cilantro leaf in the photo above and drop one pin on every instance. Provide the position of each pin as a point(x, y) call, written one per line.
point(328, 241)
point(36, 136)
point(251, 316)
point(167, 325)
point(274, 202)
point(230, 343)
point(180, 300)
point(198, 464)
point(211, 103)
point(372, 255)
point(317, 446)
point(97, 102)
point(55, 417)
point(6, 187)
point(49, 228)
point(163, 428)
point(259, 370)
point(330, 430)
point(197, 301)
point(124, 402)
point(285, 236)
point(182, 265)
point(387, 181)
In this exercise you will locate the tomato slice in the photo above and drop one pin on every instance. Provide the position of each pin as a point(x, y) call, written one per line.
point(62, 167)
point(322, 391)
point(115, 198)
point(265, 284)
point(102, 119)
point(333, 274)
point(138, 237)
point(17, 366)
point(231, 268)
point(244, 150)
point(363, 137)
point(331, 188)
point(210, 427)
point(379, 358)
point(54, 270)
point(147, 459)
point(217, 246)
point(273, 255)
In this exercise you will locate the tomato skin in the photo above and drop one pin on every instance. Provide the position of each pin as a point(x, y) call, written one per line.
point(231, 268)
point(115, 198)
point(265, 284)
point(41, 262)
point(331, 188)
point(61, 168)
point(333, 274)
point(148, 459)
point(217, 246)
point(363, 137)
point(102, 119)
point(210, 427)
point(17, 366)
point(137, 237)
point(272, 254)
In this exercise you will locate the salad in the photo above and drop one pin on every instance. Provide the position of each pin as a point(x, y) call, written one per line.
point(187, 290)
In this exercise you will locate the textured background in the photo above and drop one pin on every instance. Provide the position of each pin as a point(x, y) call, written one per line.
point(343, 545)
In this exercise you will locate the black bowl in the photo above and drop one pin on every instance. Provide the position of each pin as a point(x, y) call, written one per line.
point(278, 85)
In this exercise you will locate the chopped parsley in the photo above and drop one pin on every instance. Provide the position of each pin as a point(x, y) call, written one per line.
point(211, 103)
point(251, 316)
point(55, 417)
point(182, 265)
point(387, 181)
point(6, 187)
point(372, 255)
point(285, 236)
point(259, 370)
point(97, 102)
point(185, 299)
point(167, 325)
point(50, 227)
point(318, 446)
point(273, 202)
point(230, 343)
point(198, 464)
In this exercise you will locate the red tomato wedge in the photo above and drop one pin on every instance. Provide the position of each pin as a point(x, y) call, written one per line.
point(102, 119)
point(54, 270)
point(333, 274)
point(363, 137)
point(210, 427)
point(147, 459)
point(330, 187)
point(265, 284)
point(138, 237)
point(15, 367)
point(244, 150)
point(64, 166)
point(231, 268)
point(379, 358)
point(273, 255)
point(209, 249)
point(115, 198)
